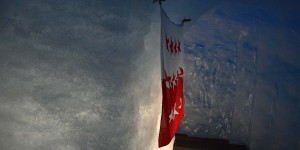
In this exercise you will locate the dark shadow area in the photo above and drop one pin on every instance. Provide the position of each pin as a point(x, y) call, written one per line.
point(184, 142)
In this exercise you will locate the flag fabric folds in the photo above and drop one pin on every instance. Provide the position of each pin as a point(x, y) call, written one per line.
point(172, 78)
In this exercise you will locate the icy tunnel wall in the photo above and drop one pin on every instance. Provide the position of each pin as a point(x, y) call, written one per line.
point(242, 60)
point(81, 74)
point(69, 75)
point(73, 74)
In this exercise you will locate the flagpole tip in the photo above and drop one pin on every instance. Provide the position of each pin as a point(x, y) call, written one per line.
point(159, 1)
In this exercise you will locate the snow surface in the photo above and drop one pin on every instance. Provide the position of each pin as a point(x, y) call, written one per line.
point(84, 75)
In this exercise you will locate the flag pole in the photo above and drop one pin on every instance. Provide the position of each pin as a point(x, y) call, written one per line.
point(159, 1)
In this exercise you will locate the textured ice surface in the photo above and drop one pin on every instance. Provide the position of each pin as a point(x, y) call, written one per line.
point(243, 74)
point(69, 73)
point(79, 75)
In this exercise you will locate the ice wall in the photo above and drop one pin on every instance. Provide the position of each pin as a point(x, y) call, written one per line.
point(81, 74)
point(85, 74)
point(72, 77)
point(242, 59)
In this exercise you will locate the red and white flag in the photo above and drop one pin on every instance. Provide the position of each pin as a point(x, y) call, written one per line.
point(172, 78)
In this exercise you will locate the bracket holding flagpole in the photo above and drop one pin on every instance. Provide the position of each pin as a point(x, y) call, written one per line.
point(159, 1)
point(185, 20)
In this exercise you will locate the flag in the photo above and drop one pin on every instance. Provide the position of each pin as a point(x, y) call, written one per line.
point(171, 78)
